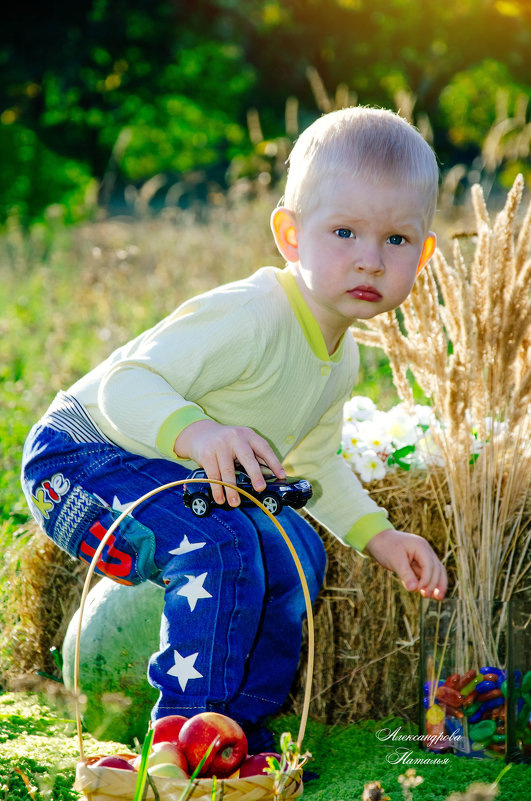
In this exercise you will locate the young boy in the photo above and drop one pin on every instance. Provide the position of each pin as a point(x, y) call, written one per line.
point(254, 372)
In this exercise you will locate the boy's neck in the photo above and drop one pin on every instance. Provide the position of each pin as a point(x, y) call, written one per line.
point(331, 331)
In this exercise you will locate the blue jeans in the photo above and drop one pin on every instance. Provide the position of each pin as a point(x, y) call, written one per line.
point(231, 627)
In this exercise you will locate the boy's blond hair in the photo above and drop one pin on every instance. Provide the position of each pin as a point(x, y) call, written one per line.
point(370, 142)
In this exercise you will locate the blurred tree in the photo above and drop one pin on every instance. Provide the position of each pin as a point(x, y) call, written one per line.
point(35, 177)
point(476, 98)
point(171, 80)
point(486, 108)
point(78, 75)
point(376, 46)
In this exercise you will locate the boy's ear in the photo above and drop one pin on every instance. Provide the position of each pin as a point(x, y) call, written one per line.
point(428, 249)
point(284, 230)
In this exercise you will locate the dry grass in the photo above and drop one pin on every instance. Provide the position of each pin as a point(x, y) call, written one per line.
point(40, 606)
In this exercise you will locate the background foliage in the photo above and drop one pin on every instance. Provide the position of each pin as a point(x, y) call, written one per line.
point(101, 94)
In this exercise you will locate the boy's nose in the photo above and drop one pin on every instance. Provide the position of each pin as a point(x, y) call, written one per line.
point(369, 261)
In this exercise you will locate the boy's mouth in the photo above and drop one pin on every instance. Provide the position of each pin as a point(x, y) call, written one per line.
point(365, 293)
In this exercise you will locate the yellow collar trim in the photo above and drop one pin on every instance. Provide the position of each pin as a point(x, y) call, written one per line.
point(307, 321)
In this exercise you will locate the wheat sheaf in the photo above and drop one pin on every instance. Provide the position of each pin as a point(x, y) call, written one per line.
point(464, 335)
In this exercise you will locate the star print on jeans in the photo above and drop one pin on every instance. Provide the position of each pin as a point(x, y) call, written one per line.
point(184, 669)
point(194, 590)
point(186, 546)
point(119, 506)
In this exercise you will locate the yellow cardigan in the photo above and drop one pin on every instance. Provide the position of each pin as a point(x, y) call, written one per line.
point(248, 353)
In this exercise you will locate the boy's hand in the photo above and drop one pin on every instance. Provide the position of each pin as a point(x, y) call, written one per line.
point(216, 447)
point(413, 559)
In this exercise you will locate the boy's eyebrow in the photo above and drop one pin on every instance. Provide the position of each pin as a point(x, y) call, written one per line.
point(343, 218)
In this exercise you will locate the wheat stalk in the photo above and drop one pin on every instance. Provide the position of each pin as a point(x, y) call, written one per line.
point(465, 337)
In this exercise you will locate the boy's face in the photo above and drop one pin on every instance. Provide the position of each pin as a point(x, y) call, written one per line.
point(356, 253)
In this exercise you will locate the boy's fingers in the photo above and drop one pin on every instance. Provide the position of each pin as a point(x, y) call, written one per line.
point(211, 468)
point(435, 587)
point(247, 458)
point(407, 575)
point(422, 566)
point(267, 455)
point(256, 455)
point(228, 474)
point(413, 560)
point(428, 591)
point(252, 468)
point(426, 581)
point(442, 584)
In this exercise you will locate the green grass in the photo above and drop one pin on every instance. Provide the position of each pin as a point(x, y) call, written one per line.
point(39, 743)
point(347, 758)
point(38, 748)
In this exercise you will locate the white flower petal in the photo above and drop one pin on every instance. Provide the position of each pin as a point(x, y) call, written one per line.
point(359, 408)
point(369, 466)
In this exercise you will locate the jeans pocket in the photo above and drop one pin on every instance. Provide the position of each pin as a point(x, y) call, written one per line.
point(138, 538)
point(127, 556)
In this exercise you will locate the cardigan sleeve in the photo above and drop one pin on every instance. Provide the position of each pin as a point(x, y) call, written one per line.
point(339, 502)
point(149, 393)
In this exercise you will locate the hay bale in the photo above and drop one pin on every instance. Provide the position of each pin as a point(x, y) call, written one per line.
point(44, 588)
point(366, 623)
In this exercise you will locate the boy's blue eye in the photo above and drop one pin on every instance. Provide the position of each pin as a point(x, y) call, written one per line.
point(396, 239)
point(343, 233)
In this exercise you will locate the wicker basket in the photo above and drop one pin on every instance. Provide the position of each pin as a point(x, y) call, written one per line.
point(111, 784)
point(108, 784)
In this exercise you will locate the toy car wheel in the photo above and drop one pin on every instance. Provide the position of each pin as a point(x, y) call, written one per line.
point(200, 505)
point(272, 502)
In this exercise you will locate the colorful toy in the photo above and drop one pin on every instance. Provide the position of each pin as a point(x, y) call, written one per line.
point(294, 492)
point(468, 713)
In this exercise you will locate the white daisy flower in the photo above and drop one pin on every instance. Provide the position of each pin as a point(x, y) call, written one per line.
point(424, 415)
point(373, 433)
point(351, 441)
point(401, 427)
point(359, 408)
point(369, 466)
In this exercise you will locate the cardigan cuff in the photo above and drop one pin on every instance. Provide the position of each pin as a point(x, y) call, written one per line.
point(365, 529)
point(174, 424)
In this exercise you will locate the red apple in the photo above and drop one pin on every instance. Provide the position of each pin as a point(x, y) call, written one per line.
point(166, 730)
point(113, 762)
point(256, 764)
point(230, 748)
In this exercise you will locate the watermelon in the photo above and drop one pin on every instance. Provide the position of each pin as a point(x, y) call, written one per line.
point(120, 631)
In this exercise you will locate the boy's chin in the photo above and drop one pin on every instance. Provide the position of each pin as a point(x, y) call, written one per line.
point(367, 314)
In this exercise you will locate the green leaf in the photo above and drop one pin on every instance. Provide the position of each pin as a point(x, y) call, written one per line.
point(398, 457)
point(142, 770)
point(188, 789)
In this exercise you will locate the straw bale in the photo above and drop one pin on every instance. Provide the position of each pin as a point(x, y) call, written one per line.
point(366, 623)
point(46, 585)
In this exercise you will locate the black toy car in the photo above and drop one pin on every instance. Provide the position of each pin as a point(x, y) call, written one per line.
point(294, 492)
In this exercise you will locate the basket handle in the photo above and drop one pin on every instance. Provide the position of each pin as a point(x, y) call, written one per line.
point(95, 559)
